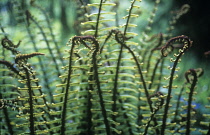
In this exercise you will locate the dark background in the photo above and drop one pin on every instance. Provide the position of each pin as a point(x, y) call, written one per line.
point(196, 25)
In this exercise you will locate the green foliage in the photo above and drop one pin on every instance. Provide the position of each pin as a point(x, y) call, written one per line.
point(112, 78)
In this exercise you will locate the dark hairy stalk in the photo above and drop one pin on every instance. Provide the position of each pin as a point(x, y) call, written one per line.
point(89, 102)
point(144, 85)
point(187, 44)
point(141, 75)
point(48, 107)
point(32, 93)
point(95, 48)
point(98, 19)
point(161, 74)
point(115, 94)
point(9, 45)
point(18, 59)
point(189, 107)
point(63, 117)
point(139, 68)
point(31, 109)
point(29, 16)
point(95, 67)
point(129, 16)
point(114, 97)
point(11, 67)
point(195, 73)
point(169, 96)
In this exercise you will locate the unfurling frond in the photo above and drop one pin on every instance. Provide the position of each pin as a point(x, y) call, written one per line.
point(21, 57)
point(9, 45)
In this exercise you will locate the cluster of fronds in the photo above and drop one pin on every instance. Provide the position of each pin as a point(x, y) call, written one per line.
point(112, 81)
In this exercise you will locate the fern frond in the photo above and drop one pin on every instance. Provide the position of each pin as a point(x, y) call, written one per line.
point(148, 28)
point(6, 43)
point(183, 10)
point(186, 45)
point(189, 108)
point(100, 24)
point(22, 57)
point(129, 16)
point(112, 81)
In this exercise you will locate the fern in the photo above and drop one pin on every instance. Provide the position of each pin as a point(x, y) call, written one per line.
point(112, 80)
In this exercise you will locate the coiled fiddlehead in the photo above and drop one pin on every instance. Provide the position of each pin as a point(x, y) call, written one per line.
point(9, 45)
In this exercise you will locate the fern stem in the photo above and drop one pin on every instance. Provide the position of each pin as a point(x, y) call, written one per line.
point(189, 107)
point(98, 19)
point(129, 16)
point(169, 95)
point(161, 74)
point(141, 78)
point(139, 69)
point(144, 85)
point(187, 44)
point(63, 117)
point(115, 94)
point(31, 110)
point(114, 97)
point(94, 61)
